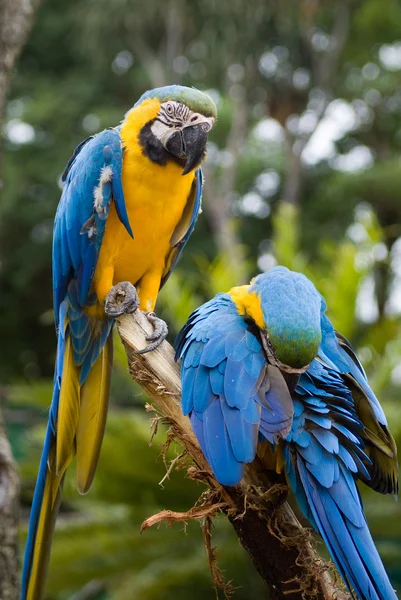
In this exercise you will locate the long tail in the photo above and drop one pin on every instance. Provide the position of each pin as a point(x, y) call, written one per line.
point(44, 511)
point(337, 514)
point(76, 426)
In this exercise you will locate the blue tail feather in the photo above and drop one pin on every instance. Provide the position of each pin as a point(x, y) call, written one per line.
point(43, 466)
point(345, 531)
point(35, 510)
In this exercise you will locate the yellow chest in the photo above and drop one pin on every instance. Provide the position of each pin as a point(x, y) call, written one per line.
point(155, 197)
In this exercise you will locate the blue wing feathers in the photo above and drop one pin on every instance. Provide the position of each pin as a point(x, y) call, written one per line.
point(339, 519)
point(340, 360)
point(203, 395)
point(243, 434)
point(327, 439)
point(187, 391)
point(252, 412)
point(75, 253)
point(238, 385)
point(214, 352)
point(216, 381)
point(219, 448)
point(222, 368)
point(321, 465)
point(254, 362)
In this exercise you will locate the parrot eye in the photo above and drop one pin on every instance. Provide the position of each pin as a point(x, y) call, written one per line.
point(169, 108)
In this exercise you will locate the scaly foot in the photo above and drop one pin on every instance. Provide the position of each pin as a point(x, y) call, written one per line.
point(121, 299)
point(159, 334)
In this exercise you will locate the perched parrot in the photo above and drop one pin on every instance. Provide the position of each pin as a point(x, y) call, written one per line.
point(130, 202)
point(263, 371)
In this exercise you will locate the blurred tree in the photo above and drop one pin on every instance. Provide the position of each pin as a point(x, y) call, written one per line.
point(16, 18)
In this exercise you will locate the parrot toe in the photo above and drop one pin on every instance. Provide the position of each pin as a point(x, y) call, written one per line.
point(122, 299)
point(159, 334)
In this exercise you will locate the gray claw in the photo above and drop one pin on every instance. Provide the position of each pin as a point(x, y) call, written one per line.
point(121, 299)
point(159, 334)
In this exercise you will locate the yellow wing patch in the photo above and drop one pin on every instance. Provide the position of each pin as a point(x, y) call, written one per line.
point(68, 411)
point(92, 417)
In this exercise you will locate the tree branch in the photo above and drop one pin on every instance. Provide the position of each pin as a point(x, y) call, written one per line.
point(281, 549)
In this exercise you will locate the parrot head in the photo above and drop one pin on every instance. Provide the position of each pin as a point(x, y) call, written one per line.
point(179, 128)
point(291, 308)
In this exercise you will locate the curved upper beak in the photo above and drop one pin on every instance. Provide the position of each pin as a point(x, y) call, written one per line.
point(195, 140)
point(190, 142)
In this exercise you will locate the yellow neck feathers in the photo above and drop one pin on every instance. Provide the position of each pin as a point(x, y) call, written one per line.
point(135, 119)
point(248, 303)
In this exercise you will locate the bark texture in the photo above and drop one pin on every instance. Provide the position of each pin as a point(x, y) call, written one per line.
point(281, 549)
point(16, 18)
point(9, 492)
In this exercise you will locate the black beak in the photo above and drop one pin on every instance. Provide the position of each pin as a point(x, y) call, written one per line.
point(189, 144)
point(195, 139)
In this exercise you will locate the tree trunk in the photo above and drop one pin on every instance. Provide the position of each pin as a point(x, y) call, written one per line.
point(9, 491)
point(16, 18)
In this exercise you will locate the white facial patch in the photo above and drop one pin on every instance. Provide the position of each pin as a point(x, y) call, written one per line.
point(175, 116)
point(162, 131)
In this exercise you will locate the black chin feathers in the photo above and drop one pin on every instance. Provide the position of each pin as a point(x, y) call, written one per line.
point(153, 149)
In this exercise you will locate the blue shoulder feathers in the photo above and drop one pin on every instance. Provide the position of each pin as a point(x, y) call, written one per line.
point(92, 178)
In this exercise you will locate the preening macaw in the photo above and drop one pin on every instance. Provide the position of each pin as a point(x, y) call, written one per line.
point(129, 204)
point(263, 371)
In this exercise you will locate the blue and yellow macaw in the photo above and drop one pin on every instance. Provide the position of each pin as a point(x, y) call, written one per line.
point(130, 202)
point(263, 371)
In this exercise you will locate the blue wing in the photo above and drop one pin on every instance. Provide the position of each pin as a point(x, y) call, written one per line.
point(81, 216)
point(228, 389)
point(335, 356)
point(185, 227)
point(324, 454)
point(337, 353)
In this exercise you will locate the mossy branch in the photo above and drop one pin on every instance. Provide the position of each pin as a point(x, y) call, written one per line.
point(282, 551)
